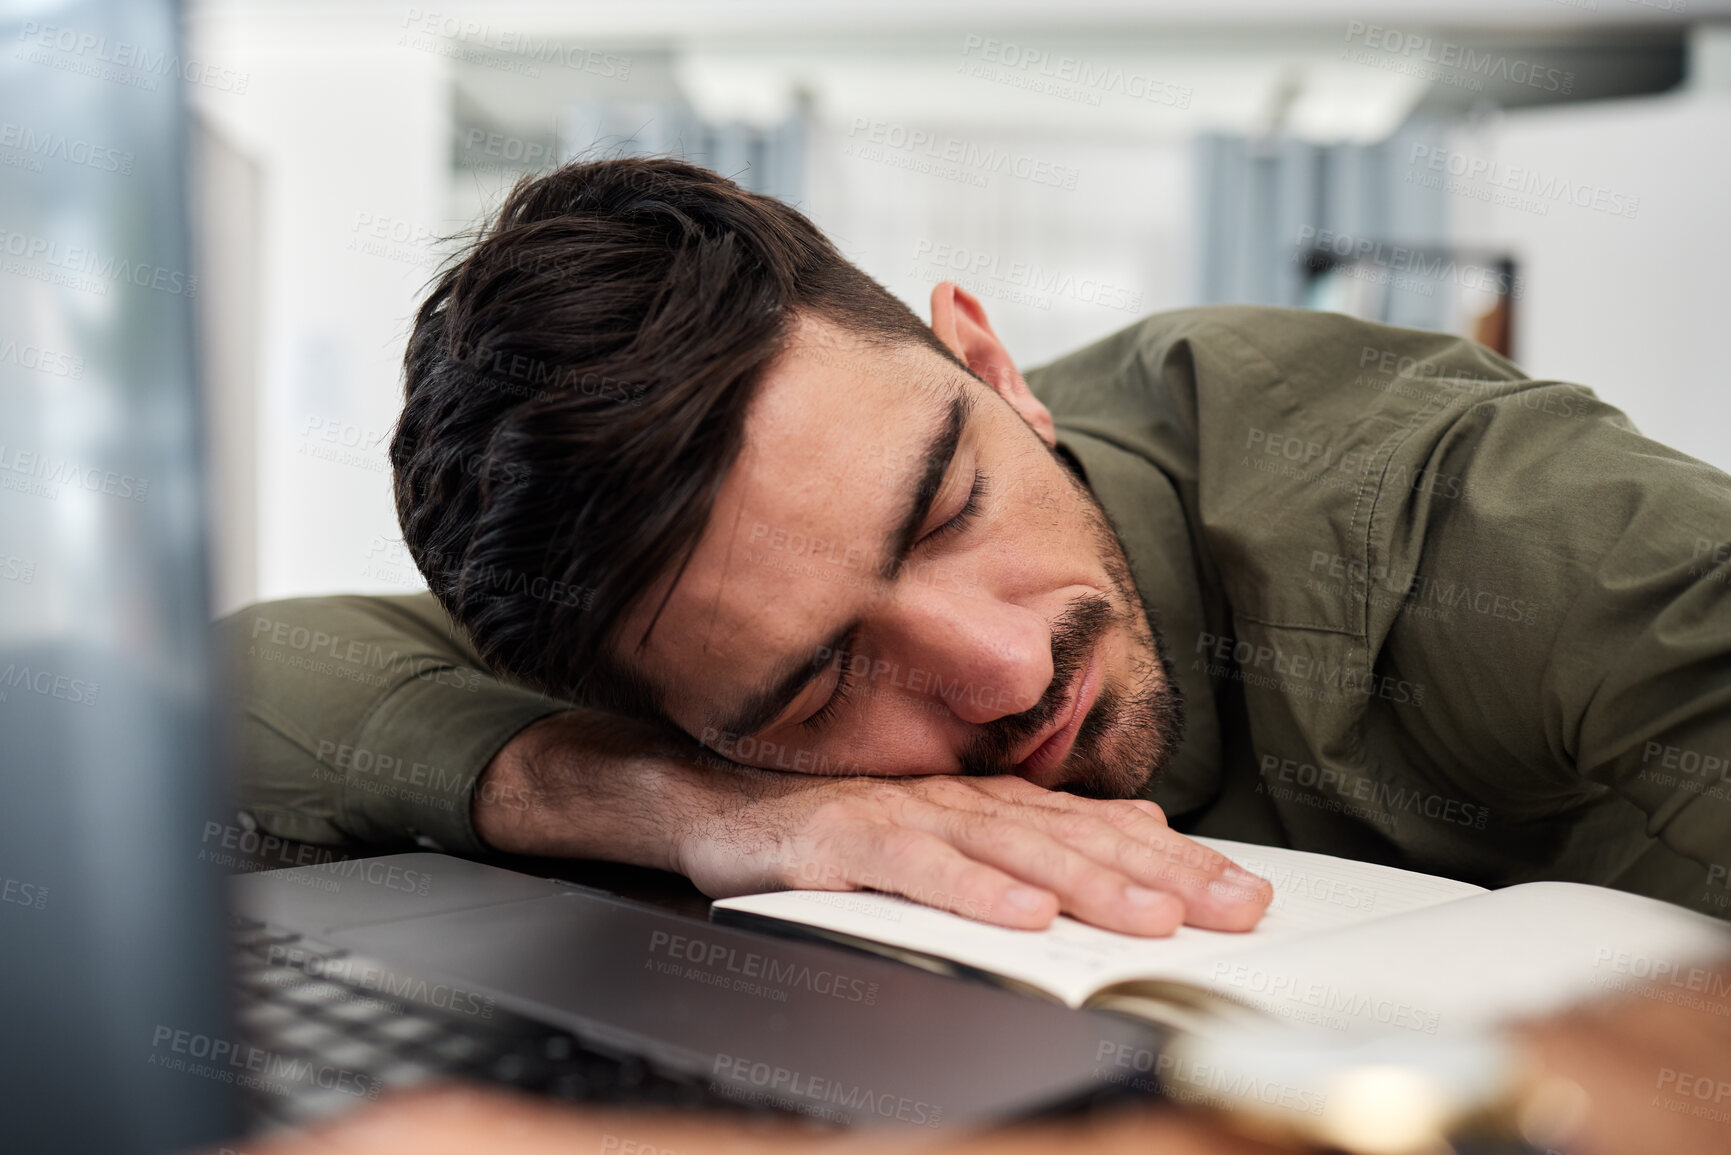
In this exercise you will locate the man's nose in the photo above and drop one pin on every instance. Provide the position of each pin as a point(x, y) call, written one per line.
point(989, 658)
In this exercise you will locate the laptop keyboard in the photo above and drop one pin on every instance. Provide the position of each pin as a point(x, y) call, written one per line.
point(323, 1035)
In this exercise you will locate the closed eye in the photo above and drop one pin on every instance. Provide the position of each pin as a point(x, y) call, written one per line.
point(965, 515)
point(837, 698)
point(844, 686)
point(817, 719)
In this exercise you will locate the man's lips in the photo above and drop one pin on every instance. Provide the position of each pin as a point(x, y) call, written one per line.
point(1046, 750)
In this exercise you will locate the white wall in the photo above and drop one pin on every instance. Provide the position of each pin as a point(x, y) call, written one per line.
point(352, 137)
point(1063, 240)
point(1633, 306)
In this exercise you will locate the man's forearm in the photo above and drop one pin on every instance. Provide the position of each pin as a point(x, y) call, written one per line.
point(585, 784)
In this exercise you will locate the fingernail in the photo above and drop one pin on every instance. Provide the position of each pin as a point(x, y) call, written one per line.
point(1142, 896)
point(1025, 898)
point(1243, 877)
point(1230, 892)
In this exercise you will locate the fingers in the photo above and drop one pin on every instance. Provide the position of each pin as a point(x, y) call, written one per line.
point(1086, 888)
point(999, 850)
point(921, 866)
point(1218, 894)
point(461, 1120)
point(1129, 838)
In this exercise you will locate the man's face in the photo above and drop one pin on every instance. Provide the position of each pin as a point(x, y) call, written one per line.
point(899, 577)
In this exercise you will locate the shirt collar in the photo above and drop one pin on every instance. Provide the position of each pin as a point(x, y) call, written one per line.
point(1145, 509)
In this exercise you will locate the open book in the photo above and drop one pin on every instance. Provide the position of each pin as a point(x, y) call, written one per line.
point(1348, 949)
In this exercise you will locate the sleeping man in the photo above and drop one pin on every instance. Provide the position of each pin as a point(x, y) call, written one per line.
point(739, 569)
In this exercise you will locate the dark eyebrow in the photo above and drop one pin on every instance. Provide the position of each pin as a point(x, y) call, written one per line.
point(793, 674)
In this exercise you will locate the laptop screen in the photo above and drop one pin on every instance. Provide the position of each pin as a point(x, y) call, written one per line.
point(109, 924)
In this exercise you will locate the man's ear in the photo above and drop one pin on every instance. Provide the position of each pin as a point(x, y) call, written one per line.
point(960, 323)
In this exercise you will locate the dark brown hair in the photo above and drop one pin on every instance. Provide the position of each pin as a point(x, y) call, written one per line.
point(576, 386)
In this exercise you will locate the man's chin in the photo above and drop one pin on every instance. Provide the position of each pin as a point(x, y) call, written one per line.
point(1119, 752)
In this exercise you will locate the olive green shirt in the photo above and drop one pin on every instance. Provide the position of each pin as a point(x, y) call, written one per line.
point(1424, 610)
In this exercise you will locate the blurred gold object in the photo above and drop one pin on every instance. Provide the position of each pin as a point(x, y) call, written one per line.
point(1551, 1111)
point(1379, 1096)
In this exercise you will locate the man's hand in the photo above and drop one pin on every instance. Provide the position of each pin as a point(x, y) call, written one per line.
point(1651, 1068)
point(464, 1120)
point(1000, 850)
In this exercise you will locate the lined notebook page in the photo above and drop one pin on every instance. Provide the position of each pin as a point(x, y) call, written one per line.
point(1520, 951)
point(1313, 893)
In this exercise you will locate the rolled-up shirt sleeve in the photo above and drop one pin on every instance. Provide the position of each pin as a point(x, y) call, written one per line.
point(363, 719)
